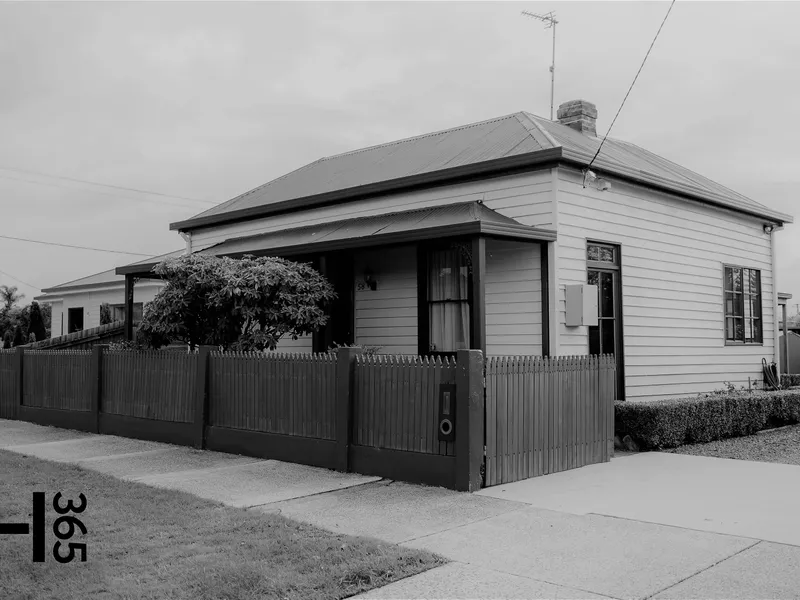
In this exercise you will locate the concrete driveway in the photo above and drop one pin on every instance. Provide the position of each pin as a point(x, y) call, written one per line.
point(735, 497)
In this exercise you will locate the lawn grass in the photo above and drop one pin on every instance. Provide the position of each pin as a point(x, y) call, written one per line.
point(148, 543)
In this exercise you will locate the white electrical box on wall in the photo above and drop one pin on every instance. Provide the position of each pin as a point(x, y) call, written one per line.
point(581, 305)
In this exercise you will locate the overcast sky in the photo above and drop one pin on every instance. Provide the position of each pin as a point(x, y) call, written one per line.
point(208, 100)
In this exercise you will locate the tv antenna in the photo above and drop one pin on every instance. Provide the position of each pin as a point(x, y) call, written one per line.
point(549, 19)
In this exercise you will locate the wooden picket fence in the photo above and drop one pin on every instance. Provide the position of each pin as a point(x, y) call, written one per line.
point(58, 379)
point(290, 394)
point(149, 385)
point(7, 384)
point(396, 402)
point(545, 415)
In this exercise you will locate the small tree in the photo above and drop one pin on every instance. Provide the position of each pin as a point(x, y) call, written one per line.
point(36, 322)
point(105, 314)
point(8, 340)
point(19, 338)
point(245, 304)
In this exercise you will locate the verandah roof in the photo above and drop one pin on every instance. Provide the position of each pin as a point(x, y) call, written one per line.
point(466, 218)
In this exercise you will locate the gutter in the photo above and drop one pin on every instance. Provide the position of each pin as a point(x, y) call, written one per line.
point(493, 168)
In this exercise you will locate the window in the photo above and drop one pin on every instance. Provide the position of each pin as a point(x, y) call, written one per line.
point(743, 323)
point(118, 312)
point(74, 319)
point(603, 271)
point(448, 300)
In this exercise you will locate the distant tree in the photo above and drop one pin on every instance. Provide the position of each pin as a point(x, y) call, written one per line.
point(19, 338)
point(105, 313)
point(8, 340)
point(47, 318)
point(36, 322)
point(246, 304)
point(9, 296)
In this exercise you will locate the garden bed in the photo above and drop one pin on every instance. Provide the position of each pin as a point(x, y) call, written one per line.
point(781, 445)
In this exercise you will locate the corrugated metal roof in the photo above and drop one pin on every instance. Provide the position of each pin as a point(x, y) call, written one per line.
point(364, 231)
point(503, 137)
point(465, 145)
point(103, 278)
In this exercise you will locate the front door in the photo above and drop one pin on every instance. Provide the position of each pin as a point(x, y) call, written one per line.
point(603, 266)
point(337, 267)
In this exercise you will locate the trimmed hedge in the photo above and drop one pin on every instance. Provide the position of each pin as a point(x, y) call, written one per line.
point(790, 380)
point(672, 423)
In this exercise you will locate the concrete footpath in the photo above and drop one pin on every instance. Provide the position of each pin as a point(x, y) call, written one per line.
point(644, 526)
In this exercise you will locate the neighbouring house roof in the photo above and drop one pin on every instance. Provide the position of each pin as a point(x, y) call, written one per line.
point(515, 141)
point(465, 218)
point(103, 279)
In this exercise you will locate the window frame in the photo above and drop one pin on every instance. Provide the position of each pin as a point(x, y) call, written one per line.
point(616, 267)
point(725, 316)
point(423, 303)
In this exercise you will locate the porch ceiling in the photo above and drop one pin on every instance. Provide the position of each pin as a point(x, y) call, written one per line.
point(466, 218)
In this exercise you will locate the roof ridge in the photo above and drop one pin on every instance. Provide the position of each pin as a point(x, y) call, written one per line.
point(421, 136)
point(534, 120)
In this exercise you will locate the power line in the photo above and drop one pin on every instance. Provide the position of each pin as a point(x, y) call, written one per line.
point(17, 279)
point(108, 185)
point(118, 197)
point(633, 82)
point(8, 237)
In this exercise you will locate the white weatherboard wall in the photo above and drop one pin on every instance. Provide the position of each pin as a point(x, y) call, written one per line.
point(513, 298)
point(387, 316)
point(673, 252)
point(524, 197)
point(90, 300)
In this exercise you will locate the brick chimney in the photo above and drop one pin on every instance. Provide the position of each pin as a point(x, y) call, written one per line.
point(580, 115)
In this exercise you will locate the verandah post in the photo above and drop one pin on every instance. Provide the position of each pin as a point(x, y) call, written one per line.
point(470, 415)
point(19, 358)
point(201, 396)
point(97, 383)
point(345, 369)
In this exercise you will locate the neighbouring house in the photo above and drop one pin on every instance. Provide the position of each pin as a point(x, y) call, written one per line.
point(76, 304)
point(497, 236)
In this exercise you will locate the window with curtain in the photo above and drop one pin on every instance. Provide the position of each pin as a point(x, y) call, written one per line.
point(118, 312)
point(448, 300)
point(743, 306)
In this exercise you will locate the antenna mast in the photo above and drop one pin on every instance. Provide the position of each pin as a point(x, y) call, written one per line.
point(550, 21)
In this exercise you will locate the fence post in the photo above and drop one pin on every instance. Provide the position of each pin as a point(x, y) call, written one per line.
point(470, 416)
point(201, 398)
point(97, 383)
point(20, 367)
point(345, 367)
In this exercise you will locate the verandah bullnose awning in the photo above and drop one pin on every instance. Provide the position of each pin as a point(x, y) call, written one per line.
point(463, 219)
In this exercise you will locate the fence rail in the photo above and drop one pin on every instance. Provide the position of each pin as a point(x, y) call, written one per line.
point(545, 415)
point(290, 394)
point(150, 385)
point(59, 379)
point(396, 402)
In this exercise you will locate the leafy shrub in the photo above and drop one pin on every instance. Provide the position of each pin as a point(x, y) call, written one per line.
point(715, 416)
point(365, 350)
point(790, 380)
